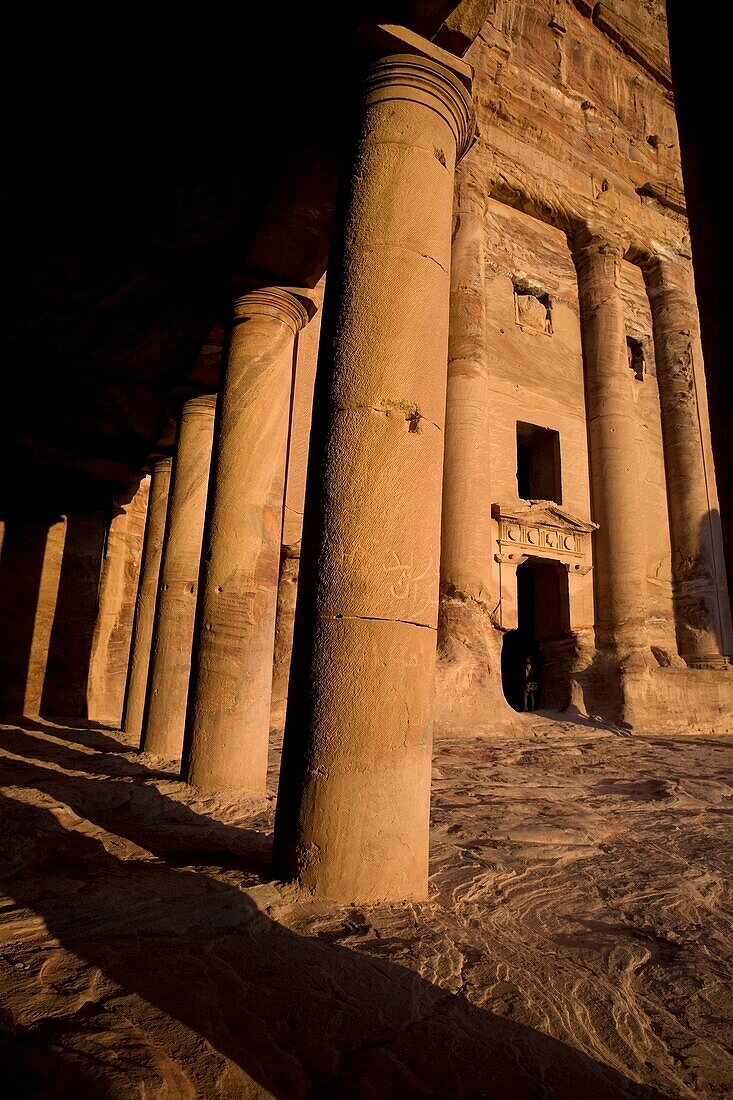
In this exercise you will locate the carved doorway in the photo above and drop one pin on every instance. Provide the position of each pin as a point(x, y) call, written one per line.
point(542, 637)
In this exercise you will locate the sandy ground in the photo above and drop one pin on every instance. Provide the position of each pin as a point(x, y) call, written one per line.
point(577, 941)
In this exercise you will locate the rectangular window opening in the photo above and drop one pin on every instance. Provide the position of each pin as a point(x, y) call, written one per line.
point(539, 476)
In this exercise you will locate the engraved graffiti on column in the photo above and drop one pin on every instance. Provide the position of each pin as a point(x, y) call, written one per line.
point(407, 583)
point(353, 808)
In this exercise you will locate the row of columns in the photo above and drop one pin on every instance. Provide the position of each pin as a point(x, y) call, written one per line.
point(353, 801)
point(702, 613)
point(352, 812)
point(228, 721)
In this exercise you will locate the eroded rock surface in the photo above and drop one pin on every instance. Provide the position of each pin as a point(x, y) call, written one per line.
point(577, 940)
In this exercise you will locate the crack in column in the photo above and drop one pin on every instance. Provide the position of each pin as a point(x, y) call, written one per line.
point(380, 619)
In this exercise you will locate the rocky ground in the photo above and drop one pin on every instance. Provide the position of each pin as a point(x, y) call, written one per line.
point(577, 941)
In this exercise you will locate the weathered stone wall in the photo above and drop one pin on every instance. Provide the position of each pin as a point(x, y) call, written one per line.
point(576, 128)
point(577, 132)
point(536, 374)
point(568, 119)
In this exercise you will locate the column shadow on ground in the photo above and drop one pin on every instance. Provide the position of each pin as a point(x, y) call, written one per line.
point(192, 975)
point(92, 735)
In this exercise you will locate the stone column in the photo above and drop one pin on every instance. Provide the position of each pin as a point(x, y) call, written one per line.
point(469, 674)
point(306, 358)
point(66, 680)
point(353, 804)
point(170, 659)
point(228, 718)
point(619, 549)
point(142, 636)
point(701, 604)
point(117, 594)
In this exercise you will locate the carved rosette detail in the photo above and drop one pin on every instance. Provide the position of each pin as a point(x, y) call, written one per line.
point(422, 80)
point(285, 305)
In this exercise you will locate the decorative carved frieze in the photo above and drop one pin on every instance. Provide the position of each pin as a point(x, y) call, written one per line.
point(543, 529)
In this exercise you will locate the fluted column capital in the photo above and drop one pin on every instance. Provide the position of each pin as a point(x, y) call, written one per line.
point(424, 81)
point(161, 465)
point(411, 68)
point(201, 404)
point(291, 306)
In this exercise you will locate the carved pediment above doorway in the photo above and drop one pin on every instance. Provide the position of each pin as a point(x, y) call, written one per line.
point(541, 528)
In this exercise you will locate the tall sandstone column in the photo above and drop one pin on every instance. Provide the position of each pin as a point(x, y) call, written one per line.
point(306, 359)
point(117, 593)
point(231, 681)
point(469, 677)
point(170, 660)
point(353, 805)
point(142, 636)
point(619, 548)
point(701, 602)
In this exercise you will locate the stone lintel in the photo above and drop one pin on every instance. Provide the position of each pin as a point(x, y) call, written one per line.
point(544, 530)
point(382, 39)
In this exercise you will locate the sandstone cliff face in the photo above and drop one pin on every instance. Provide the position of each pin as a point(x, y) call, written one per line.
point(576, 127)
point(576, 117)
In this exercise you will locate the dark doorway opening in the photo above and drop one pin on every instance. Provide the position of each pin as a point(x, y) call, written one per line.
point(536, 650)
point(637, 357)
point(539, 476)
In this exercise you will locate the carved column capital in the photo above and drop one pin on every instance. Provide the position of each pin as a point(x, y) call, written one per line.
point(510, 559)
point(427, 81)
point(201, 404)
point(293, 307)
point(161, 465)
point(665, 275)
point(587, 241)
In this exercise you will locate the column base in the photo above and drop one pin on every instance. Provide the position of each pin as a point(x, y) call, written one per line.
point(713, 660)
point(468, 690)
point(352, 821)
point(644, 693)
point(681, 701)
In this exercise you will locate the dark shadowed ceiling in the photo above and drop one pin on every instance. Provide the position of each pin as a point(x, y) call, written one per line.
point(151, 161)
point(152, 157)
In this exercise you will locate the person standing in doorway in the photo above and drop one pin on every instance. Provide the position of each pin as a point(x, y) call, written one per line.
point(531, 686)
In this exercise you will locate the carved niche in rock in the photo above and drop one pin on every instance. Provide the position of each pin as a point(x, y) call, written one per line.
point(533, 308)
